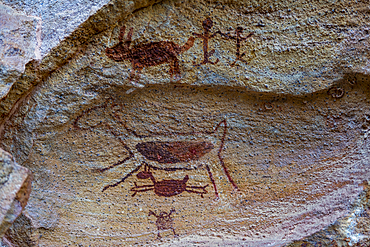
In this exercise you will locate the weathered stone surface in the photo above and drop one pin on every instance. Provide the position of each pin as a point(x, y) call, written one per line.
point(15, 188)
point(144, 146)
point(20, 40)
point(351, 230)
point(59, 18)
point(69, 47)
point(21, 233)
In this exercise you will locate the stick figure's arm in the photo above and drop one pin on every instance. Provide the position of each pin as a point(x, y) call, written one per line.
point(199, 35)
point(249, 35)
point(226, 35)
point(172, 211)
point(152, 213)
point(218, 32)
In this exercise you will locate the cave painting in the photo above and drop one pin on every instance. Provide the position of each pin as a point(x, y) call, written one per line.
point(238, 38)
point(207, 25)
point(170, 152)
point(166, 188)
point(148, 54)
point(156, 53)
point(164, 221)
point(173, 154)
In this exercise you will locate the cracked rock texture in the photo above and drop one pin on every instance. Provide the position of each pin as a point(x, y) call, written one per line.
point(195, 123)
point(20, 40)
point(15, 188)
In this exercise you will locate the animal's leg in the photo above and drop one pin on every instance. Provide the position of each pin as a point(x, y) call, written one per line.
point(223, 122)
point(175, 68)
point(149, 187)
point(171, 68)
point(131, 155)
point(123, 179)
point(132, 74)
point(197, 192)
point(135, 67)
point(225, 169)
point(197, 187)
point(142, 186)
point(212, 180)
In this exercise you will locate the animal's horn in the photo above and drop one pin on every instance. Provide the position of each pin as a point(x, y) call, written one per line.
point(128, 38)
point(121, 33)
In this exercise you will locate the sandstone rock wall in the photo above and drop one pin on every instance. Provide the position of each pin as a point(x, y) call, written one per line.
point(187, 122)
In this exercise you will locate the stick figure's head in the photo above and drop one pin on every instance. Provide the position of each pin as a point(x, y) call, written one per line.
point(207, 23)
point(163, 215)
point(239, 29)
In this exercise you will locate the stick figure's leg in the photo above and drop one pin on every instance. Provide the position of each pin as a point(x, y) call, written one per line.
point(174, 233)
point(232, 64)
point(210, 54)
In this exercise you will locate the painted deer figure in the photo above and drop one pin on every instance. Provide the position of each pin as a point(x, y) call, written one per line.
point(149, 54)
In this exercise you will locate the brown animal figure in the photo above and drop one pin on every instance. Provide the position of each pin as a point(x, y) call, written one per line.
point(167, 153)
point(164, 221)
point(166, 188)
point(149, 54)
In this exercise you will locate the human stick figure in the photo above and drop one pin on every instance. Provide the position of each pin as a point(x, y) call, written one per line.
point(239, 39)
point(207, 25)
point(164, 221)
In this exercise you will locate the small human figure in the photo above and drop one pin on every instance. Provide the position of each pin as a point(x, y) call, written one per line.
point(238, 37)
point(207, 25)
point(164, 221)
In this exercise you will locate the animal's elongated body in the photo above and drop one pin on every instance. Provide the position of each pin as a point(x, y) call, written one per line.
point(149, 54)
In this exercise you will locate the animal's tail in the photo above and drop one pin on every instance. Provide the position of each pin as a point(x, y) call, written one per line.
point(187, 45)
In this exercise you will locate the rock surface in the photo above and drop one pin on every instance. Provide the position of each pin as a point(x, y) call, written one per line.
point(140, 129)
point(15, 188)
point(20, 40)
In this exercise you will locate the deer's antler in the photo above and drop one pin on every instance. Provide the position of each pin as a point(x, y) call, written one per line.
point(121, 33)
point(128, 38)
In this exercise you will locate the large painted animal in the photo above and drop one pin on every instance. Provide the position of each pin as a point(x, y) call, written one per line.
point(148, 54)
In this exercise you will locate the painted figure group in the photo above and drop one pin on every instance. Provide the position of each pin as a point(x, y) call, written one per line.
point(156, 53)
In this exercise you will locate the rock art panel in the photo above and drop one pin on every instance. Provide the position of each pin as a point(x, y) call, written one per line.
point(174, 114)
